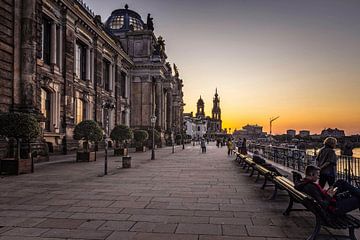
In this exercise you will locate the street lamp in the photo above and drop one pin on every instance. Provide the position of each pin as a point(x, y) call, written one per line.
point(172, 139)
point(107, 105)
point(183, 129)
point(153, 121)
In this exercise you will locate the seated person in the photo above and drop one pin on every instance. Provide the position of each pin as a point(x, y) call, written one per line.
point(261, 161)
point(339, 199)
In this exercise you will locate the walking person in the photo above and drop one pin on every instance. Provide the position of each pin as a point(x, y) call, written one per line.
point(326, 161)
point(229, 145)
point(203, 145)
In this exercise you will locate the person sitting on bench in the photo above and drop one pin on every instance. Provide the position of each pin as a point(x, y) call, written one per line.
point(339, 199)
point(261, 161)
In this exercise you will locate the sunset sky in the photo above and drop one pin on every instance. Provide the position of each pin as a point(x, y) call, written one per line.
point(299, 60)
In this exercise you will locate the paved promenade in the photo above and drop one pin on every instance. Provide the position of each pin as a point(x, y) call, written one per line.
point(181, 196)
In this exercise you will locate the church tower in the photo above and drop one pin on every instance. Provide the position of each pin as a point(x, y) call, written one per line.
point(200, 108)
point(216, 111)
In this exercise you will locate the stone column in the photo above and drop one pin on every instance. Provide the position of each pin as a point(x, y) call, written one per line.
point(60, 63)
point(170, 123)
point(158, 104)
point(88, 65)
point(53, 44)
point(92, 67)
point(28, 55)
point(113, 86)
point(110, 77)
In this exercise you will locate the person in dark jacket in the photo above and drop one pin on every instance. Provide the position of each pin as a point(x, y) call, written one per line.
point(327, 162)
point(262, 162)
point(339, 199)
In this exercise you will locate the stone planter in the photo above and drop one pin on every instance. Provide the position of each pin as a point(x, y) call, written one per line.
point(85, 156)
point(120, 152)
point(13, 166)
point(126, 162)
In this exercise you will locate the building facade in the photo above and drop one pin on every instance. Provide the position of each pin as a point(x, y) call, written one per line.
point(60, 62)
point(201, 124)
point(291, 132)
point(329, 132)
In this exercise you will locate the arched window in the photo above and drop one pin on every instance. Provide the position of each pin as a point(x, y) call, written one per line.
point(46, 107)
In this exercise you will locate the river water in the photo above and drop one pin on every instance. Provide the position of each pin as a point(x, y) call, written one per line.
point(356, 152)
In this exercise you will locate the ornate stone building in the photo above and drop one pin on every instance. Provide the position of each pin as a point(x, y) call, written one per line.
point(196, 126)
point(155, 90)
point(60, 62)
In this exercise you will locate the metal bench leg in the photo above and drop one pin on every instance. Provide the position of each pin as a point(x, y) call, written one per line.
point(316, 230)
point(273, 196)
point(264, 184)
point(252, 172)
point(288, 210)
point(248, 168)
point(258, 177)
point(352, 234)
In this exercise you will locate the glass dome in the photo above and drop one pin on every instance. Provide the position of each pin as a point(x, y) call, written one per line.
point(123, 20)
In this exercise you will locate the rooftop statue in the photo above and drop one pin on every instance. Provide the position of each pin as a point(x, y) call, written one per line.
point(177, 72)
point(159, 47)
point(149, 23)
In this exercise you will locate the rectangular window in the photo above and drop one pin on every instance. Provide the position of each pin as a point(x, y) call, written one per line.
point(46, 107)
point(106, 74)
point(79, 110)
point(123, 85)
point(46, 40)
point(80, 60)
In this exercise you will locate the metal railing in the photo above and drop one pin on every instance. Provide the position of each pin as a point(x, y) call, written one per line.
point(348, 168)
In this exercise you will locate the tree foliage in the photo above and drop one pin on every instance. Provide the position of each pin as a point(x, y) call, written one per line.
point(140, 136)
point(88, 130)
point(19, 125)
point(121, 133)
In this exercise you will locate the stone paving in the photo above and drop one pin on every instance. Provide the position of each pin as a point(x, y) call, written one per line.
point(181, 196)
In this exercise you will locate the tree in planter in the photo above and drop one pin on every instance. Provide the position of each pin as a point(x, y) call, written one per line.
point(88, 131)
point(157, 137)
point(140, 136)
point(120, 134)
point(22, 127)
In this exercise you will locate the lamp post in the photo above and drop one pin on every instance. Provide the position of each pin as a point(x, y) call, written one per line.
point(107, 105)
point(183, 129)
point(172, 139)
point(153, 121)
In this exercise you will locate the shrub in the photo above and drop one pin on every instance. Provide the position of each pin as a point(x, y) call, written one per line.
point(157, 137)
point(89, 131)
point(19, 125)
point(121, 133)
point(140, 136)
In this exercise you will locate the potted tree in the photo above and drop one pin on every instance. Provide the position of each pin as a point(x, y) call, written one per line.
point(157, 137)
point(23, 128)
point(120, 135)
point(88, 131)
point(140, 136)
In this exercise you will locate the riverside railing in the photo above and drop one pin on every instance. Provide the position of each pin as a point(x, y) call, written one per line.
point(348, 168)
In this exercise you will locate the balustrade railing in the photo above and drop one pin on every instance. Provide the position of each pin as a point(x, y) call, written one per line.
point(348, 168)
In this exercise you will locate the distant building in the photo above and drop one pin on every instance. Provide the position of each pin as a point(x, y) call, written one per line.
point(304, 133)
point(250, 132)
point(329, 132)
point(291, 132)
point(200, 125)
point(196, 127)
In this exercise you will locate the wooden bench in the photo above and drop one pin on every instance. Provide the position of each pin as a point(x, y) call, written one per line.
point(248, 163)
point(323, 217)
